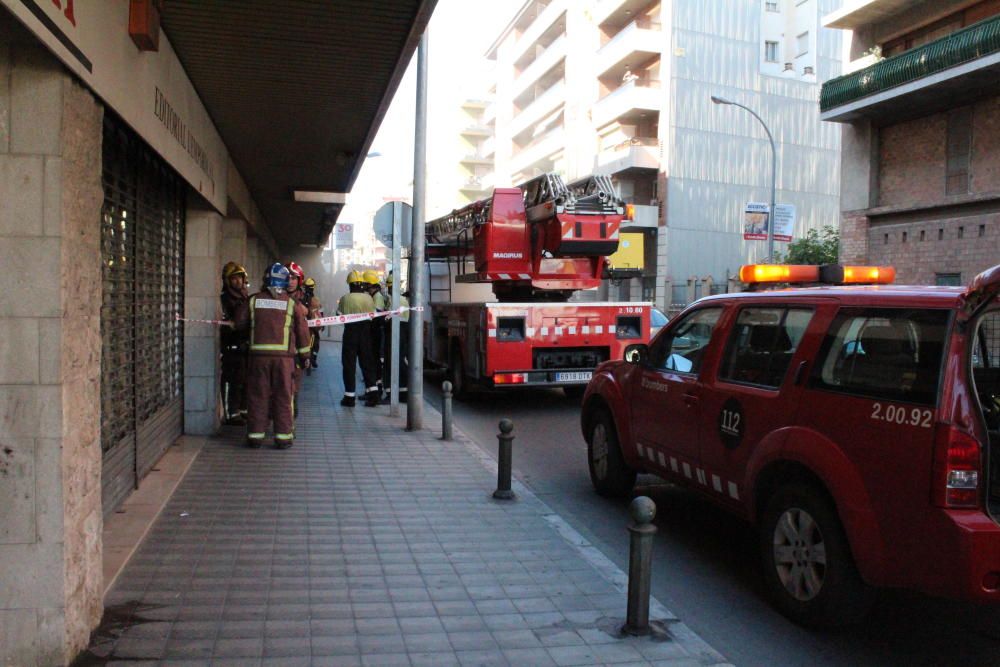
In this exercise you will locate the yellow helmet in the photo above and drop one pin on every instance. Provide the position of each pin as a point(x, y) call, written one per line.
point(355, 277)
point(370, 277)
point(232, 269)
point(388, 280)
point(310, 283)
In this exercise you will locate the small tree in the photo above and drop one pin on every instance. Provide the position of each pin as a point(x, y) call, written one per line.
point(818, 246)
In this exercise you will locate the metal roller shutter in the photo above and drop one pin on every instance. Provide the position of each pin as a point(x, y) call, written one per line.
point(142, 343)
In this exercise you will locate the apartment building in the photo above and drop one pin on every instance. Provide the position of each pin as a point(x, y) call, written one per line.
point(623, 87)
point(920, 114)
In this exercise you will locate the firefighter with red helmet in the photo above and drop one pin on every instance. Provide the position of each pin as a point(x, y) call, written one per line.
point(278, 334)
point(233, 344)
point(295, 278)
point(357, 342)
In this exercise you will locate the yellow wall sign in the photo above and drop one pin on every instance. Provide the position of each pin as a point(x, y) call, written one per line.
point(630, 253)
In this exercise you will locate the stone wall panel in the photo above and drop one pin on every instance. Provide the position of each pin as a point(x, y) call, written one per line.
point(36, 81)
point(21, 191)
point(19, 351)
point(31, 578)
point(21, 259)
point(4, 98)
point(49, 490)
point(19, 638)
point(29, 411)
point(17, 491)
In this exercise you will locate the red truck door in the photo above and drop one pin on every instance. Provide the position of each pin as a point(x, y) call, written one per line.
point(666, 391)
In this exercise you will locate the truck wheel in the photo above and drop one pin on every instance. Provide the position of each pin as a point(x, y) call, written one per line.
point(808, 568)
point(608, 472)
point(456, 374)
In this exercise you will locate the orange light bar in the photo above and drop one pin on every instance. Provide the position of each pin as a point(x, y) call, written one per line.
point(509, 378)
point(877, 275)
point(630, 211)
point(779, 273)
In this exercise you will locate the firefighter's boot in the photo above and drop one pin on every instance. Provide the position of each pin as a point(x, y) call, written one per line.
point(372, 398)
point(348, 401)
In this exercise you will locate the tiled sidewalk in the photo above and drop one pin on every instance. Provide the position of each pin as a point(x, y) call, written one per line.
point(365, 545)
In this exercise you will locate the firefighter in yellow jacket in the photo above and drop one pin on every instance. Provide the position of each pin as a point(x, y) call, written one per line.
point(278, 334)
point(358, 343)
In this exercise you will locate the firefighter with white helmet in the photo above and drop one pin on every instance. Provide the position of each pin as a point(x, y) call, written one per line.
point(357, 344)
point(296, 276)
point(233, 344)
point(278, 334)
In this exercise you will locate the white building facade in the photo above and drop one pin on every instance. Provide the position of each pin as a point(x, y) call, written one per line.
point(623, 87)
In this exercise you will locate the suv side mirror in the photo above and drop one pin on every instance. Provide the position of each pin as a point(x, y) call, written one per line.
point(636, 353)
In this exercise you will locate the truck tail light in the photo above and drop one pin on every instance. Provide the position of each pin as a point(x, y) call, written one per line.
point(957, 464)
point(510, 378)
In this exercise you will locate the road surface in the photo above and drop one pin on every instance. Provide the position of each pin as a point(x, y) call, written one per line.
point(705, 565)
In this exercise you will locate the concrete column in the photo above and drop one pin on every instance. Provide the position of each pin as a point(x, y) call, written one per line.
point(859, 188)
point(234, 241)
point(50, 360)
point(203, 263)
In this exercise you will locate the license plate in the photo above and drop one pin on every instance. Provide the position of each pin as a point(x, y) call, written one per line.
point(576, 376)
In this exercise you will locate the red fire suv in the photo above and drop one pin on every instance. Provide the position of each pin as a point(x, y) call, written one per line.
point(852, 425)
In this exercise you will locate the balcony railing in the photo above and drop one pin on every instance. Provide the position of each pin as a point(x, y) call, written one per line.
point(976, 41)
point(640, 36)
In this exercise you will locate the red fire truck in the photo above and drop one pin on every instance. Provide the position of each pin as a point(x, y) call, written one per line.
point(502, 271)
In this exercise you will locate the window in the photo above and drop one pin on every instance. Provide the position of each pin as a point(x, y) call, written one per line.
point(771, 6)
point(803, 43)
point(771, 52)
point(762, 344)
point(628, 327)
point(948, 279)
point(958, 150)
point(887, 353)
point(684, 347)
point(510, 329)
point(986, 371)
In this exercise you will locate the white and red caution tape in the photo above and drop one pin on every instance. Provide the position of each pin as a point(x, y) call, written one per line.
point(318, 322)
point(358, 317)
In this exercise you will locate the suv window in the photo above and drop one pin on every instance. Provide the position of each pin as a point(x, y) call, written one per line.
point(986, 367)
point(683, 348)
point(762, 344)
point(886, 353)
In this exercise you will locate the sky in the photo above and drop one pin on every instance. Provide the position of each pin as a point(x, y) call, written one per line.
point(460, 32)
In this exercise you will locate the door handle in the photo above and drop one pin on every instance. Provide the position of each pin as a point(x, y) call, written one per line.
point(690, 399)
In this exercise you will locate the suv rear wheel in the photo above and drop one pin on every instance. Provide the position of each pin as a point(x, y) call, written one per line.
point(608, 472)
point(808, 567)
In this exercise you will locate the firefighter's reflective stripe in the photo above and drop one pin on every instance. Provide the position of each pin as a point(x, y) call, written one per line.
point(304, 350)
point(256, 436)
point(284, 436)
point(289, 307)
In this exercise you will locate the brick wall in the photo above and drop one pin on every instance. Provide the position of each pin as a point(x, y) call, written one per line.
point(963, 245)
point(912, 162)
point(920, 229)
point(853, 238)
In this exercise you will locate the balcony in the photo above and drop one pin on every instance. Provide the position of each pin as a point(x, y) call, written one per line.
point(616, 12)
point(537, 28)
point(543, 105)
point(634, 153)
point(543, 63)
point(942, 74)
point(476, 130)
point(476, 185)
point(638, 41)
point(543, 149)
point(632, 100)
point(861, 13)
point(477, 158)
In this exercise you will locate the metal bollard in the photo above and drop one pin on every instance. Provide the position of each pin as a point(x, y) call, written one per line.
point(506, 440)
point(640, 563)
point(446, 410)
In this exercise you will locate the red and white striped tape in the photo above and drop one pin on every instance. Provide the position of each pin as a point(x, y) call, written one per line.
point(318, 322)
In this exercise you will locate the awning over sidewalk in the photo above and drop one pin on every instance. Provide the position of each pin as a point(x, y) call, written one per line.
point(297, 91)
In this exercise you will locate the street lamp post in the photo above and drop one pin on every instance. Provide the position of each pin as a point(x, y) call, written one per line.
point(774, 171)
